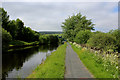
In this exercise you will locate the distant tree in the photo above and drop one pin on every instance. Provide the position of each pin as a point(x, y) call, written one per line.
point(53, 39)
point(74, 24)
point(82, 36)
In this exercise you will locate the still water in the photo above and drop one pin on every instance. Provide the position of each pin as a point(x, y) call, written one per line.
point(21, 63)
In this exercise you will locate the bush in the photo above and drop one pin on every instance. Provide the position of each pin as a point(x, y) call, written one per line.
point(116, 34)
point(103, 41)
point(83, 36)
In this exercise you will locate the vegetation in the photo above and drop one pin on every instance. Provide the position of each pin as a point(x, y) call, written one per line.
point(48, 39)
point(22, 43)
point(100, 65)
point(74, 24)
point(116, 34)
point(6, 38)
point(82, 36)
point(78, 29)
point(20, 35)
point(50, 32)
point(97, 45)
point(103, 41)
point(53, 66)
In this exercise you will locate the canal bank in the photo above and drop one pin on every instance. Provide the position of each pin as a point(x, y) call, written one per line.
point(53, 66)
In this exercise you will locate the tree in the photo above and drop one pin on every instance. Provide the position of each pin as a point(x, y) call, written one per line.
point(29, 35)
point(20, 26)
point(74, 24)
point(6, 38)
point(12, 28)
point(82, 36)
point(5, 19)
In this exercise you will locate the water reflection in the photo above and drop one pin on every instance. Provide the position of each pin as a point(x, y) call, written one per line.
point(21, 63)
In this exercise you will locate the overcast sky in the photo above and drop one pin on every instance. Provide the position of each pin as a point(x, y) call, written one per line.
point(48, 16)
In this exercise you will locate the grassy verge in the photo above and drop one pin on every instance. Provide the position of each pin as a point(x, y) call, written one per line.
point(53, 66)
point(95, 64)
point(22, 43)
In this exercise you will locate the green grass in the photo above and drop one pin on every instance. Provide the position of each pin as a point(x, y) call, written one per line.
point(21, 43)
point(89, 60)
point(53, 66)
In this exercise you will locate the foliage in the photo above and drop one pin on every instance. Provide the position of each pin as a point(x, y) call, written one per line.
point(82, 36)
point(12, 28)
point(17, 29)
point(100, 65)
point(5, 19)
point(74, 24)
point(30, 35)
point(21, 34)
point(53, 66)
point(22, 43)
point(116, 34)
point(6, 38)
point(103, 41)
point(48, 39)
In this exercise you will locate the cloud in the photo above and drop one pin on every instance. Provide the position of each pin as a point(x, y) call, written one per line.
point(61, 0)
point(50, 15)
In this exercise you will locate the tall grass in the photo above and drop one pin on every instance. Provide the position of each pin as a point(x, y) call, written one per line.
point(100, 65)
point(53, 66)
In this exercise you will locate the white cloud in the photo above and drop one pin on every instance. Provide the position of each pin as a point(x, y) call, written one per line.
point(60, 0)
point(49, 16)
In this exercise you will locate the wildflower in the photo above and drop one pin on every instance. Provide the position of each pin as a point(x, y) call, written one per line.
point(117, 67)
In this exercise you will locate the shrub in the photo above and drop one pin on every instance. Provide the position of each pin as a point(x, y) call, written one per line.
point(83, 36)
point(102, 40)
point(116, 34)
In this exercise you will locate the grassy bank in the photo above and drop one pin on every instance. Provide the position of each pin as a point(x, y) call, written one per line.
point(22, 43)
point(99, 67)
point(53, 66)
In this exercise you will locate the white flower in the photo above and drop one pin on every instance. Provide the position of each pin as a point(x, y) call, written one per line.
point(117, 67)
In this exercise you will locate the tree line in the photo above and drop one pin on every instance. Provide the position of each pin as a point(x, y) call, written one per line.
point(16, 31)
point(78, 28)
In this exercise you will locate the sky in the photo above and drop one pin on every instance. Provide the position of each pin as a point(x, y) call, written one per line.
point(48, 16)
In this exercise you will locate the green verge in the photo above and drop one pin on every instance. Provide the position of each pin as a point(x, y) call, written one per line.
point(94, 67)
point(22, 43)
point(53, 66)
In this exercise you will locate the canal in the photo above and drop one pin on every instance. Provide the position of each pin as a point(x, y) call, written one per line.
point(21, 63)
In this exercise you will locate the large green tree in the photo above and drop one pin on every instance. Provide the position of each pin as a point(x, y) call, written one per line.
point(12, 28)
point(74, 24)
point(20, 26)
point(5, 19)
point(6, 38)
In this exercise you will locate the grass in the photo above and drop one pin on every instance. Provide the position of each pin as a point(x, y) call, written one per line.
point(53, 66)
point(89, 60)
point(22, 43)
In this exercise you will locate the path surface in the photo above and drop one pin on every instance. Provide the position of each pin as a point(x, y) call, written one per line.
point(74, 67)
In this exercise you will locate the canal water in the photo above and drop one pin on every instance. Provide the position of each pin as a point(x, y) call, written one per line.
point(21, 63)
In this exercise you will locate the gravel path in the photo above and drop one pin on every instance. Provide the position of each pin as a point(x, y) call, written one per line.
point(74, 66)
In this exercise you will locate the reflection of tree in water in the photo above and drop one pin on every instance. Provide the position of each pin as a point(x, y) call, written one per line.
point(15, 59)
point(45, 48)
